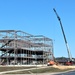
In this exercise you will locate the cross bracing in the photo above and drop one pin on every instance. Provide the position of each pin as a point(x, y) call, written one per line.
point(21, 48)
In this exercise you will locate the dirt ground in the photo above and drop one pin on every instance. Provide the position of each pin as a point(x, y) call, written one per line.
point(64, 67)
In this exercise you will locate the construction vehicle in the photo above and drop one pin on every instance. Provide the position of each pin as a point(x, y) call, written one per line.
point(50, 63)
point(70, 61)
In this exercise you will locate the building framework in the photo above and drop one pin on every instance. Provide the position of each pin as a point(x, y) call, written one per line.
point(21, 48)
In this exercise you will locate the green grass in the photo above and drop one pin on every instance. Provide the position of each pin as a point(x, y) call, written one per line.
point(20, 72)
point(12, 68)
point(42, 70)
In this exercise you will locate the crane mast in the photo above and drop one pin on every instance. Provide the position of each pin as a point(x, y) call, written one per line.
point(68, 50)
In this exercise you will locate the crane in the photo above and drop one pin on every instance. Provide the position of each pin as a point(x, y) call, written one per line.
point(68, 50)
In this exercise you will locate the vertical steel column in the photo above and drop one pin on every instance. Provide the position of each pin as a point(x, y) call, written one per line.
point(14, 47)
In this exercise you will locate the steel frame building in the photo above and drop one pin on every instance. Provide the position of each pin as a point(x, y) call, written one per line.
point(21, 48)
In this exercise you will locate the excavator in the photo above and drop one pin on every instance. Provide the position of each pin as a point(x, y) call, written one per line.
point(70, 61)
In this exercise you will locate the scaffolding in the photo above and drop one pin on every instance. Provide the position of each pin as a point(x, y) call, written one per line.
point(21, 48)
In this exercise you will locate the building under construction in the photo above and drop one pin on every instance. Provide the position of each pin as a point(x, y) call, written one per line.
point(21, 48)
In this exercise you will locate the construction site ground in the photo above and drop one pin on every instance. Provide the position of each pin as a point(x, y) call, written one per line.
point(17, 69)
point(62, 67)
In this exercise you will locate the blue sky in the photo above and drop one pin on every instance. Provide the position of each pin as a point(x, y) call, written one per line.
point(38, 18)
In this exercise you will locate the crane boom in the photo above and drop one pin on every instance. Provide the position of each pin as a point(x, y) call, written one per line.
point(68, 50)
